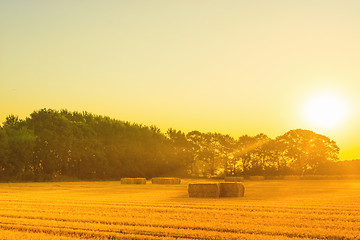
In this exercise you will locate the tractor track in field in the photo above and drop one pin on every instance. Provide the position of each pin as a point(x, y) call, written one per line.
point(161, 226)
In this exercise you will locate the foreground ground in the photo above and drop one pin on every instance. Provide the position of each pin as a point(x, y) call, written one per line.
point(304, 209)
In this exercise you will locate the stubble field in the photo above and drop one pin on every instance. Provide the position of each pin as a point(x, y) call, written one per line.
point(303, 209)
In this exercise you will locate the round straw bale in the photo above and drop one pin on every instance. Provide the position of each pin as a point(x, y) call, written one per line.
point(232, 189)
point(133, 180)
point(164, 180)
point(204, 190)
point(140, 180)
point(126, 181)
point(234, 179)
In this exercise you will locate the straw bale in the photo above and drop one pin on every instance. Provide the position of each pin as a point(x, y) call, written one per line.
point(257, 178)
point(234, 179)
point(204, 190)
point(164, 180)
point(127, 181)
point(133, 180)
point(232, 189)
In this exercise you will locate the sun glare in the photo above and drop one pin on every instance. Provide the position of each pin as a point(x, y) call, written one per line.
point(325, 111)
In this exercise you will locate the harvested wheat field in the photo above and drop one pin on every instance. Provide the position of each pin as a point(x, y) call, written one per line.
point(111, 210)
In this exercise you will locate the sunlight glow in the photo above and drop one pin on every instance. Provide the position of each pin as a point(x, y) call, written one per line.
point(326, 111)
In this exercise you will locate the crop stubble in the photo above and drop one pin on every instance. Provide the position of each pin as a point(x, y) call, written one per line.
point(109, 210)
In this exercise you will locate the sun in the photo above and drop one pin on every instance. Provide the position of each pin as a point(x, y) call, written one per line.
point(325, 110)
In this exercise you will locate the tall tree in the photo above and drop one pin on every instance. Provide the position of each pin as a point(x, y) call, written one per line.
point(308, 150)
point(18, 145)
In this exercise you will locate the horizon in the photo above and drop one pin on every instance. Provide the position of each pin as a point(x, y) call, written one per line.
point(233, 67)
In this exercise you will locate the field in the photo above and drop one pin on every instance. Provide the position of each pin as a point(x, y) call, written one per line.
point(304, 209)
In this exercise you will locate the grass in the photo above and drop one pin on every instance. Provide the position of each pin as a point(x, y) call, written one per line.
point(110, 210)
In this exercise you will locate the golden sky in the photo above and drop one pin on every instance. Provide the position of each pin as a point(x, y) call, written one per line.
point(236, 67)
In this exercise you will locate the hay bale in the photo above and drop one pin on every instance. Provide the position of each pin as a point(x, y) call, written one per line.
point(257, 178)
point(127, 181)
point(133, 180)
point(292, 177)
point(234, 179)
point(232, 189)
point(140, 180)
point(163, 180)
point(204, 190)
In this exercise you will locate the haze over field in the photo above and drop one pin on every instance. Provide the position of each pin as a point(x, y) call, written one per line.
point(236, 67)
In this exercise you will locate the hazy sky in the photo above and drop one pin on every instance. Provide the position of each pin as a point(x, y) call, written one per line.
point(236, 67)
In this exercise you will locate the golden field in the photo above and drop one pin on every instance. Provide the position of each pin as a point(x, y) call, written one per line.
point(303, 209)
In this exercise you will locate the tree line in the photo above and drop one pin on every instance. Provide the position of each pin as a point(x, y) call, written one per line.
point(51, 144)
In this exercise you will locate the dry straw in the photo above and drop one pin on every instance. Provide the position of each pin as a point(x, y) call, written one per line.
point(204, 190)
point(133, 181)
point(163, 180)
point(234, 179)
point(232, 189)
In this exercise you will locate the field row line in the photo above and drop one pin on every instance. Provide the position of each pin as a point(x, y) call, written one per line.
point(81, 232)
point(283, 219)
point(91, 233)
point(238, 210)
point(349, 211)
point(249, 204)
point(289, 231)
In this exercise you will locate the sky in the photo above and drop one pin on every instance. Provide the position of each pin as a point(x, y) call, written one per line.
point(233, 67)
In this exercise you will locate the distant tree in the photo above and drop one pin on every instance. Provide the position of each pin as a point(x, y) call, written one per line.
point(227, 154)
point(276, 162)
point(17, 146)
point(12, 121)
point(51, 144)
point(213, 153)
point(4, 154)
point(250, 154)
point(307, 151)
point(54, 132)
point(182, 151)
